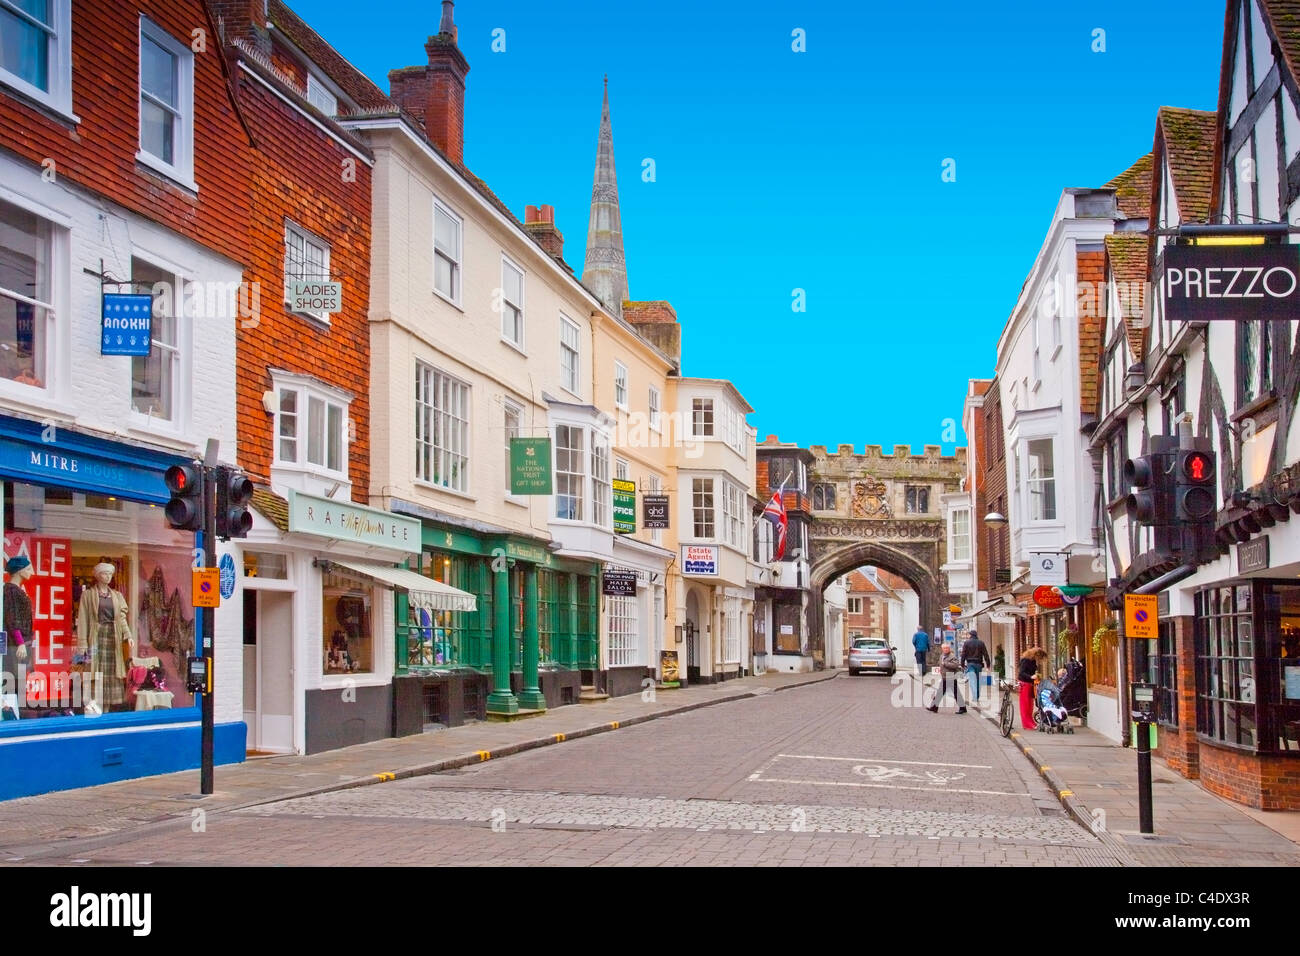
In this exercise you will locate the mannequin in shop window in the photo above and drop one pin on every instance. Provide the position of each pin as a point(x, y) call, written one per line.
point(103, 629)
point(339, 658)
point(17, 636)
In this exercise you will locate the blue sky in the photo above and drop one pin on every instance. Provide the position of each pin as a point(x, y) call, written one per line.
point(820, 170)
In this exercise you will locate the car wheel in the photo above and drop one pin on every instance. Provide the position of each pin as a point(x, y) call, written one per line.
point(889, 673)
point(853, 673)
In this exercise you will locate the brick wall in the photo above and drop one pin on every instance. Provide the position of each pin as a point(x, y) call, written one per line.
point(1262, 782)
point(1091, 268)
point(299, 176)
point(99, 152)
point(994, 547)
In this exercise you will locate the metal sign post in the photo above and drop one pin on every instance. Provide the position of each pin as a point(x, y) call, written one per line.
point(208, 648)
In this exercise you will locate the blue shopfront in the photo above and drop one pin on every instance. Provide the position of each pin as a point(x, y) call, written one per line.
point(97, 616)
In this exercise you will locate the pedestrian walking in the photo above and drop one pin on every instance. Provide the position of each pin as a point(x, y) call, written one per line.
point(949, 672)
point(974, 658)
point(921, 641)
point(1031, 661)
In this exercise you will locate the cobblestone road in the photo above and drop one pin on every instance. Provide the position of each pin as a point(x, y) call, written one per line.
point(832, 773)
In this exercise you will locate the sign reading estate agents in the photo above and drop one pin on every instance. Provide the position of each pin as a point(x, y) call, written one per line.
point(530, 466)
point(315, 295)
point(1231, 283)
point(700, 559)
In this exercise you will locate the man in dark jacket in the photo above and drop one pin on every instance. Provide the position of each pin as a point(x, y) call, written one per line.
point(974, 658)
point(921, 643)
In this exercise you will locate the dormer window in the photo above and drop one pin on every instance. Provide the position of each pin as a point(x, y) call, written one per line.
point(319, 96)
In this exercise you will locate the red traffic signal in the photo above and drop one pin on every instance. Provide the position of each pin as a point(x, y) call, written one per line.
point(1195, 497)
point(1197, 466)
point(185, 509)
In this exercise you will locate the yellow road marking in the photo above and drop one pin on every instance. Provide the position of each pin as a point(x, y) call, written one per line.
point(1067, 793)
point(484, 755)
point(386, 776)
point(559, 737)
point(613, 724)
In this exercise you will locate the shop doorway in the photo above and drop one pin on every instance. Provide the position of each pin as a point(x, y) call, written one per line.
point(268, 671)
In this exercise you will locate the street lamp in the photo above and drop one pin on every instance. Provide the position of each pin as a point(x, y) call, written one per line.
point(995, 520)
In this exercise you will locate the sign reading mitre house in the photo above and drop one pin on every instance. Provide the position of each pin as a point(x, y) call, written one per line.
point(316, 295)
point(344, 521)
point(700, 559)
point(530, 466)
point(1233, 283)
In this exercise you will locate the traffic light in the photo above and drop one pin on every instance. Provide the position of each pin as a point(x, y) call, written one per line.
point(1195, 502)
point(185, 509)
point(1152, 501)
point(234, 492)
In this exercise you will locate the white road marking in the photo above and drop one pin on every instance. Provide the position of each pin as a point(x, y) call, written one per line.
point(881, 786)
point(916, 763)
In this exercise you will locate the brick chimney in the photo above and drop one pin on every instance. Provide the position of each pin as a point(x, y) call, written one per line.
point(239, 18)
point(540, 223)
point(435, 94)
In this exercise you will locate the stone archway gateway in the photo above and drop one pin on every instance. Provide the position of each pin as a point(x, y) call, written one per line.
point(882, 510)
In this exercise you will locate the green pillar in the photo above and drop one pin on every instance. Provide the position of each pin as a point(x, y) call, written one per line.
point(531, 696)
point(501, 700)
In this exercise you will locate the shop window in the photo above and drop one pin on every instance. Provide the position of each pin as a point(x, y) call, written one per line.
point(433, 637)
point(347, 624)
point(77, 665)
point(1225, 662)
point(788, 639)
point(586, 637)
point(547, 605)
point(26, 308)
point(1165, 675)
point(624, 630)
point(266, 564)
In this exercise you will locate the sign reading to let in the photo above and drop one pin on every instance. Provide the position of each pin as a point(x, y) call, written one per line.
point(317, 296)
point(624, 506)
point(207, 587)
point(1140, 616)
point(530, 466)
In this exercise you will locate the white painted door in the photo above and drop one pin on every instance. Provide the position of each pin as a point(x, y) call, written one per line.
point(275, 672)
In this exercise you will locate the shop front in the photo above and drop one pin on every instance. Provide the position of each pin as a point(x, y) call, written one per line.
point(535, 622)
point(633, 596)
point(98, 617)
point(322, 589)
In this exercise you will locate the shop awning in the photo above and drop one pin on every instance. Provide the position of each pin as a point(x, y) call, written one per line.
point(422, 592)
point(978, 611)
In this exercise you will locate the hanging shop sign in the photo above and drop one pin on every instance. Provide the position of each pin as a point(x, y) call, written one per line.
point(1048, 598)
point(530, 466)
point(654, 511)
point(1252, 556)
point(317, 296)
point(1231, 283)
point(700, 559)
point(624, 506)
point(618, 583)
point(127, 323)
point(1049, 567)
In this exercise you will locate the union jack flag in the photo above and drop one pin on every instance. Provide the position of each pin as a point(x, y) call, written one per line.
point(775, 512)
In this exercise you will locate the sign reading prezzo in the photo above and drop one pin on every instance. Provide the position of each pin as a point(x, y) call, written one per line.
point(1232, 283)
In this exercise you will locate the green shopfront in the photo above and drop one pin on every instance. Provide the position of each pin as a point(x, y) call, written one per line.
point(530, 644)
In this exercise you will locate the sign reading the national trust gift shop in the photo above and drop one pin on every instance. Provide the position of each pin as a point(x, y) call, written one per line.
point(1233, 283)
point(344, 521)
point(530, 466)
point(624, 506)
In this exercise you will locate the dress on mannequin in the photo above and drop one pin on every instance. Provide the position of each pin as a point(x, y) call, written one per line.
point(102, 627)
point(17, 628)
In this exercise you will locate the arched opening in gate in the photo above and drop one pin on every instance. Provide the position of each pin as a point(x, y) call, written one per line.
point(835, 559)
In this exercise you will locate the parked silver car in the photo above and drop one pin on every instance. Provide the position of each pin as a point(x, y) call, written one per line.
point(871, 654)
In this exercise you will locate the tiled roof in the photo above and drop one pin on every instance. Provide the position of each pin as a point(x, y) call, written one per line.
point(1127, 254)
point(1189, 155)
point(272, 507)
point(352, 81)
point(1284, 17)
point(1133, 189)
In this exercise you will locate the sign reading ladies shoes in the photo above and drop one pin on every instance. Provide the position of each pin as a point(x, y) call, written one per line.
point(344, 521)
point(1232, 283)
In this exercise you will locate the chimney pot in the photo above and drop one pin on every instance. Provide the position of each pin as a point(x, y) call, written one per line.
point(548, 214)
point(530, 214)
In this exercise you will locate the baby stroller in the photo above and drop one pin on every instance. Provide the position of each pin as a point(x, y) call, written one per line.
point(1051, 715)
point(1074, 690)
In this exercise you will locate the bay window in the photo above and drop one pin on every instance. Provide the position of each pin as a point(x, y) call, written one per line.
point(732, 502)
point(702, 507)
point(960, 536)
point(311, 428)
point(600, 486)
point(702, 417)
point(1041, 481)
point(570, 471)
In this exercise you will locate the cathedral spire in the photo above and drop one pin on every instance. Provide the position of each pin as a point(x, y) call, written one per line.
point(604, 270)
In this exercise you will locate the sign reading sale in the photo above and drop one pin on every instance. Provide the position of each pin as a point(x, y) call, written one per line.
point(49, 650)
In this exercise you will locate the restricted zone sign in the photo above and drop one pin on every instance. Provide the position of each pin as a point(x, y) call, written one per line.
point(207, 587)
point(1140, 616)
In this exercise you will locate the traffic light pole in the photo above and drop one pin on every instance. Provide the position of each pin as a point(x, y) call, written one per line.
point(208, 650)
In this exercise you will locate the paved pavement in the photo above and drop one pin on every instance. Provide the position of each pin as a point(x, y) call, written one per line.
point(1096, 781)
point(853, 771)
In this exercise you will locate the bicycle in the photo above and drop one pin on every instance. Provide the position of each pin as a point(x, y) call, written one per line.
point(1009, 690)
